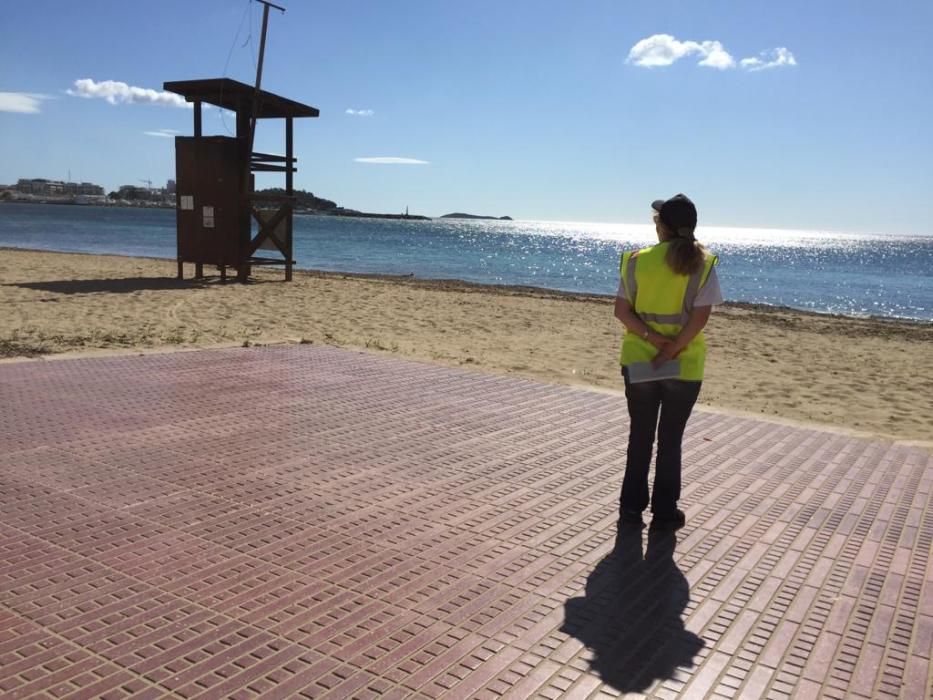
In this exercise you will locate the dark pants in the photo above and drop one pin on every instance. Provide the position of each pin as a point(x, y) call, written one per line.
point(674, 400)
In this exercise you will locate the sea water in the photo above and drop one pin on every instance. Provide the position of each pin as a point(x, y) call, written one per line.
point(846, 273)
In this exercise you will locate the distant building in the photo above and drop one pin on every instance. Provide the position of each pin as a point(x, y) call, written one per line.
point(56, 188)
point(38, 185)
point(90, 189)
point(145, 194)
point(170, 187)
point(131, 192)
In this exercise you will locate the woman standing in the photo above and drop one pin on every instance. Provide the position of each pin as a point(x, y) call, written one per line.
point(665, 298)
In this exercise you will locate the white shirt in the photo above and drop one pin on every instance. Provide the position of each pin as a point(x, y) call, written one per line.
point(710, 294)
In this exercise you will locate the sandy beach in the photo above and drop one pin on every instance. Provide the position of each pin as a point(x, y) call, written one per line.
point(865, 375)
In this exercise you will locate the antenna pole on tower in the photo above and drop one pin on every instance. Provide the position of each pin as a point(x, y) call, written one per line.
point(262, 52)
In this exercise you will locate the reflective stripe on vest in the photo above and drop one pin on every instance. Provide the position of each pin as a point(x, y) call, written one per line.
point(690, 296)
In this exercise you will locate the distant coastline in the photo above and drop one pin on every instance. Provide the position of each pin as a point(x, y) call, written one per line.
point(305, 203)
point(339, 211)
point(142, 204)
point(301, 207)
point(78, 202)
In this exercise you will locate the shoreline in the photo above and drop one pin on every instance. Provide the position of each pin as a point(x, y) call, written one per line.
point(466, 286)
point(872, 377)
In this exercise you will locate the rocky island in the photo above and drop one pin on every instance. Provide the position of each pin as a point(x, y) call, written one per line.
point(461, 215)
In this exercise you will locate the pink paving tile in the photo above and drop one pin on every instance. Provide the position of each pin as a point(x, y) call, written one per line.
point(311, 522)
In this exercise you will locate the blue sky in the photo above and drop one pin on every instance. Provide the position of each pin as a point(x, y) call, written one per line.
point(531, 108)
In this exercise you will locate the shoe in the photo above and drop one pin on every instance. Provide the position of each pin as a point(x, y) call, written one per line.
point(669, 522)
point(630, 518)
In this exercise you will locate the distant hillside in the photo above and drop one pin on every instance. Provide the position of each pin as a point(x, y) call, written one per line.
point(461, 215)
point(304, 199)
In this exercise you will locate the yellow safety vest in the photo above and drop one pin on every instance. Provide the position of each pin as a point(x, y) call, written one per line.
point(663, 299)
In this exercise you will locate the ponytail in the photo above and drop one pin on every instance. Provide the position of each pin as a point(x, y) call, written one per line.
point(685, 254)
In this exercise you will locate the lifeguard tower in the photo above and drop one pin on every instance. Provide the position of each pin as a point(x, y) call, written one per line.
point(216, 201)
point(215, 198)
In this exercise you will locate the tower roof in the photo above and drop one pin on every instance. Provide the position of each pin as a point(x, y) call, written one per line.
point(236, 96)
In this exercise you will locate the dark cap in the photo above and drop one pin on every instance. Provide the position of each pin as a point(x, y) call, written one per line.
point(678, 213)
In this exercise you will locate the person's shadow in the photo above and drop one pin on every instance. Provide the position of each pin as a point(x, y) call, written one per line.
point(630, 616)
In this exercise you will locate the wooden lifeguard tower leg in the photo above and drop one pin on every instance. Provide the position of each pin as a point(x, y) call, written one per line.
point(181, 269)
point(289, 191)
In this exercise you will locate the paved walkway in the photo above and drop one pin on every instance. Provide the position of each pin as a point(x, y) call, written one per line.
point(310, 522)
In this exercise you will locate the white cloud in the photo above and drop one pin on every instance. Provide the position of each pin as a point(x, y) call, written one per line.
point(165, 133)
point(715, 56)
point(360, 112)
point(116, 92)
point(664, 50)
point(392, 160)
point(21, 102)
point(770, 59)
